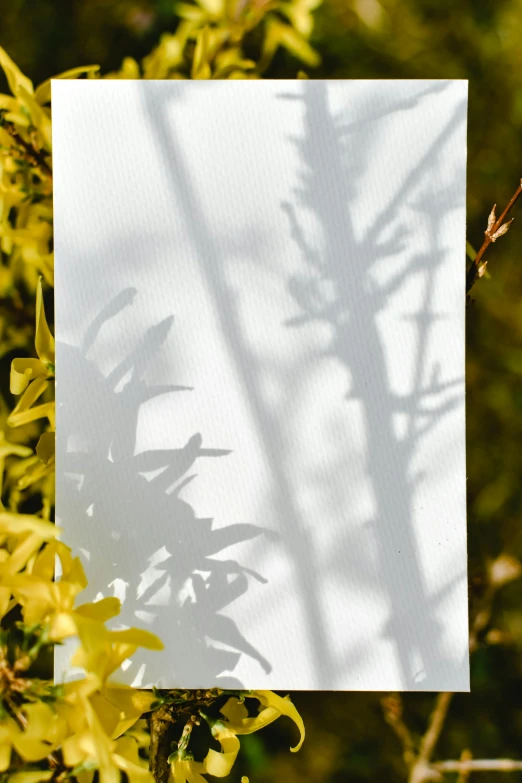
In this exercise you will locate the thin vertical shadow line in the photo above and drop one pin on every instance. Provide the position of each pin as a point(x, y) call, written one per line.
point(298, 545)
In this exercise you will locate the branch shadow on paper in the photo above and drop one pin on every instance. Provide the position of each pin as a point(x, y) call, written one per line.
point(139, 540)
point(340, 287)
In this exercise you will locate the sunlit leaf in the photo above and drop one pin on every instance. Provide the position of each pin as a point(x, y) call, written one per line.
point(15, 78)
point(42, 93)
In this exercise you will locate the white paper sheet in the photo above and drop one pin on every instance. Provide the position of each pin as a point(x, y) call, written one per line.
point(292, 251)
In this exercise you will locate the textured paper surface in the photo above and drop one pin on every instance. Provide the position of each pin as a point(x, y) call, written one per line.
point(293, 252)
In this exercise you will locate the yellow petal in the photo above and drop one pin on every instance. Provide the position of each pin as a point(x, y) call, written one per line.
point(29, 544)
point(285, 707)
point(130, 703)
point(62, 626)
point(44, 341)
point(137, 637)
point(5, 753)
point(87, 776)
point(15, 524)
point(31, 394)
point(103, 745)
point(44, 411)
point(213, 7)
point(129, 70)
point(45, 448)
point(128, 760)
point(15, 77)
point(280, 34)
point(44, 564)
point(234, 710)
point(200, 66)
point(5, 606)
point(274, 707)
point(73, 572)
point(44, 731)
point(108, 714)
point(7, 449)
point(31, 777)
point(220, 764)
point(10, 104)
point(100, 610)
point(39, 116)
point(23, 371)
point(186, 772)
point(36, 470)
point(72, 751)
point(100, 652)
point(43, 91)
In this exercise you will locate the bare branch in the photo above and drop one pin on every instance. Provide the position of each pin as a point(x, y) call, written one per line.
point(438, 716)
point(392, 708)
point(464, 773)
point(478, 765)
point(495, 229)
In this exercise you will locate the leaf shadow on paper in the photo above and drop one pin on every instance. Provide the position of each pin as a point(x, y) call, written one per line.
point(138, 538)
point(351, 307)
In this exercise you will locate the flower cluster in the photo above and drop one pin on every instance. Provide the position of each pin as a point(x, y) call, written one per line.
point(93, 726)
point(215, 38)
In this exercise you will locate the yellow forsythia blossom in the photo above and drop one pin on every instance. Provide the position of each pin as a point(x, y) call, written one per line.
point(93, 725)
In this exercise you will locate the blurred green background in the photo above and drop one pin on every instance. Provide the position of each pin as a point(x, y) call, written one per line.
point(479, 40)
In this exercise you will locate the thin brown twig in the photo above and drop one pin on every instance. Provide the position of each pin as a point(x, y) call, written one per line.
point(464, 773)
point(392, 708)
point(420, 766)
point(478, 765)
point(436, 722)
point(18, 716)
point(490, 236)
point(28, 151)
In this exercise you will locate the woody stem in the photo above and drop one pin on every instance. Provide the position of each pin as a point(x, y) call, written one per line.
point(475, 265)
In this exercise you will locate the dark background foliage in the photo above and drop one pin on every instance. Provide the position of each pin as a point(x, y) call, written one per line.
point(478, 40)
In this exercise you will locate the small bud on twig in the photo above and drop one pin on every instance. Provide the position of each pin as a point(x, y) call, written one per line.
point(502, 230)
point(494, 230)
point(491, 220)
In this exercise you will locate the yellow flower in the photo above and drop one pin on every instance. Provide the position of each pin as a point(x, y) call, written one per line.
point(274, 707)
point(43, 731)
point(30, 376)
point(236, 721)
point(90, 743)
point(22, 88)
point(186, 771)
point(22, 536)
point(103, 651)
point(96, 723)
point(97, 714)
point(46, 602)
point(52, 603)
point(42, 93)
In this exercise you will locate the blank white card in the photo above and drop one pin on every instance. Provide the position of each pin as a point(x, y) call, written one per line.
point(260, 376)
